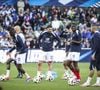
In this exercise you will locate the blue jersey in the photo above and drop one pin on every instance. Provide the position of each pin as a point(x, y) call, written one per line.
point(20, 44)
point(76, 37)
point(47, 39)
point(95, 42)
point(66, 35)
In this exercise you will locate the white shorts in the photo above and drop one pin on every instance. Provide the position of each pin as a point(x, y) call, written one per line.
point(20, 58)
point(73, 56)
point(46, 56)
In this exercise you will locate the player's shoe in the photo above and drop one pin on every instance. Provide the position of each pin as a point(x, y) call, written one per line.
point(67, 76)
point(73, 81)
point(41, 76)
point(96, 85)
point(4, 78)
point(85, 84)
point(19, 76)
point(7, 78)
point(78, 81)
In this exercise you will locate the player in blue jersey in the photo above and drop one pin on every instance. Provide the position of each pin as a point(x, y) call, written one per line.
point(95, 62)
point(66, 34)
point(91, 72)
point(21, 50)
point(74, 53)
point(11, 58)
point(46, 42)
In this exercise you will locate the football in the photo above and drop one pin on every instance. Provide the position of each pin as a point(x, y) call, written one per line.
point(36, 79)
point(2, 77)
point(72, 81)
point(51, 78)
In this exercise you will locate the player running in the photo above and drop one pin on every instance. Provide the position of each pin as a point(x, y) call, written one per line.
point(21, 50)
point(74, 54)
point(95, 62)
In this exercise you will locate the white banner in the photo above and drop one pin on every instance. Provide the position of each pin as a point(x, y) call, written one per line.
point(4, 57)
point(32, 55)
point(58, 55)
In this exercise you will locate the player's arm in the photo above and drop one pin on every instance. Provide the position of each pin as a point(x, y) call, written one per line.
point(58, 40)
point(78, 40)
point(96, 42)
point(74, 41)
point(13, 48)
point(40, 40)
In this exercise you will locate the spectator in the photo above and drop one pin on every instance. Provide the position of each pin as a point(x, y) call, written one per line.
point(20, 5)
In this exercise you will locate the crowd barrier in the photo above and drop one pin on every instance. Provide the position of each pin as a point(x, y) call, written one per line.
point(59, 55)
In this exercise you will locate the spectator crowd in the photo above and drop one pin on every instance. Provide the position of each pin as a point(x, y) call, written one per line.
point(33, 20)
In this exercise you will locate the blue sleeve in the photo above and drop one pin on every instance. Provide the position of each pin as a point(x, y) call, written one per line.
point(13, 48)
point(96, 42)
point(39, 40)
point(58, 40)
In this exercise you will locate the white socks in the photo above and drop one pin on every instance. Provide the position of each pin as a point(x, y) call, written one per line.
point(38, 73)
point(7, 73)
point(69, 73)
point(27, 76)
point(98, 80)
point(49, 73)
point(89, 80)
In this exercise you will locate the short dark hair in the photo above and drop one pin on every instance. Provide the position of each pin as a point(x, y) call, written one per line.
point(49, 26)
point(73, 26)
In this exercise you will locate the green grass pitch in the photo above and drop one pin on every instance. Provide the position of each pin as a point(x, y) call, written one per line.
point(57, 84)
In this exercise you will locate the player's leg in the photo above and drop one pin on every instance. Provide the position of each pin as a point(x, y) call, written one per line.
point(39, 64)
point(49, 75)
point(20, 75)
point(97, 56)
point(8, 67)
point(39, 67)
point(20, 59)
point(23, 72)
point(39, 75)
point(50, 67)
point(67, 69)
point(91, 74)
point(65, 65)
point(49, 60)
point(76, 70)
point(69, 64)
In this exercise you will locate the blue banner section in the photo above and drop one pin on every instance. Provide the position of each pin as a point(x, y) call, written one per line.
point(85, 55)
point(78, 3)
point(95, 3)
